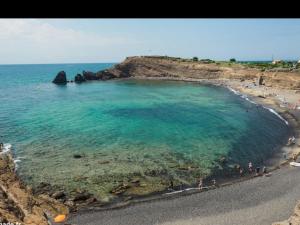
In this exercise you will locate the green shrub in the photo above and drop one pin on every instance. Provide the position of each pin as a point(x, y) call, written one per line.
point(195, 59)
point(232, 60)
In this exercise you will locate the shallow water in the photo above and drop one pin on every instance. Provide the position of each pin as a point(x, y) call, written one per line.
point(152, 131)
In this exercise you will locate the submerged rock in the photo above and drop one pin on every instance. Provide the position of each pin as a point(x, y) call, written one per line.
point(79, 78)
point(82, 196)
point(43, 188)
point(60, 78)
point(59, 195)
point(120, 189)
point(77, 156)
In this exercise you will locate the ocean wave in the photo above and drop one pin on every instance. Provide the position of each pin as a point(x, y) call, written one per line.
point(270, 110)
point(6, 148)
point(242, 95)
point(16, 161)
point(234, 91)
point(277, 114)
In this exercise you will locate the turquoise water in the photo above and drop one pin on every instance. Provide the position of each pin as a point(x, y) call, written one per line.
point(153, 131)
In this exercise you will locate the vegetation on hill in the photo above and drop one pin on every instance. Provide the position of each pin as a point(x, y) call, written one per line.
point(262, 65)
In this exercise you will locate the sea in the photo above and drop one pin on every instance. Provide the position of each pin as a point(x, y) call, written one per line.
point(144, 133)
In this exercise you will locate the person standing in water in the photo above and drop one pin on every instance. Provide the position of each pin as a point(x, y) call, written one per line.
point(250, 167)
point(241, 171)
point(257, 170)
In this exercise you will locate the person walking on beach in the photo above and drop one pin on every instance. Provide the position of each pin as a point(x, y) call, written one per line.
point(1, 146)
point(200, 185)
point(250, 167)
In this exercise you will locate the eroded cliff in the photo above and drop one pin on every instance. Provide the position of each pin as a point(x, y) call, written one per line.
point(183, 69)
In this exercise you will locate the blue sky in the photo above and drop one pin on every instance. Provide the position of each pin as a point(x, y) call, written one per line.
point(111, 40)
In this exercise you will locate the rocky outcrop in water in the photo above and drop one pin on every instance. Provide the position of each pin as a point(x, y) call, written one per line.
point(79, 78)
point(100, 75)
point(87, 75)
point(183, 69)
point(61, 78)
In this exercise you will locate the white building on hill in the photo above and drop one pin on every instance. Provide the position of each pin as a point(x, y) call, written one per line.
point(276, 62)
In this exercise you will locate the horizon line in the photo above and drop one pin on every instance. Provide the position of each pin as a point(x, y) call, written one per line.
point(62, 63)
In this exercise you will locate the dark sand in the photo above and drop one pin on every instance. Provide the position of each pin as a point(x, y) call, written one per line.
point(258, 201)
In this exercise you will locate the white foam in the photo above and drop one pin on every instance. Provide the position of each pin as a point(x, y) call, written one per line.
point(234, 91)
point(6, 148)
point(280, 117)
point(16, 161)
point(242, 96)
point(174, 192)
point(246, 98)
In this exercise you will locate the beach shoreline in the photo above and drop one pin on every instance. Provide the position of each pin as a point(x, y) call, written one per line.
point(273, 163)
point(236, 85)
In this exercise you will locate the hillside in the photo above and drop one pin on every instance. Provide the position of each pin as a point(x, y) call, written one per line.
point(179, 68)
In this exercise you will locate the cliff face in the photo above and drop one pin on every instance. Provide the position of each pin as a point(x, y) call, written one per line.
point(181, 69)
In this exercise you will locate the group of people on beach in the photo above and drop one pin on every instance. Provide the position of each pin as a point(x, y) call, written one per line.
point(251, 170)
point(257, 170)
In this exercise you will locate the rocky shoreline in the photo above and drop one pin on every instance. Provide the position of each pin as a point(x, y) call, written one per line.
point(19, 204)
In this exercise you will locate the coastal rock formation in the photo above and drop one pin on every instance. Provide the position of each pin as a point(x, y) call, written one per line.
point(181, 69)
point(18, 204)
point(105, 75)
point(87, 75)
point(101, 75)
point(60, 78)
point(164, 67)
point(79, 78)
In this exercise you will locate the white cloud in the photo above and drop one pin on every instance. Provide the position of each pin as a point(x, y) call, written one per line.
point(30, 41)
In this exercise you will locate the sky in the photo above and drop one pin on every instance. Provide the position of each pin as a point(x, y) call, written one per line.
point(35, 41)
